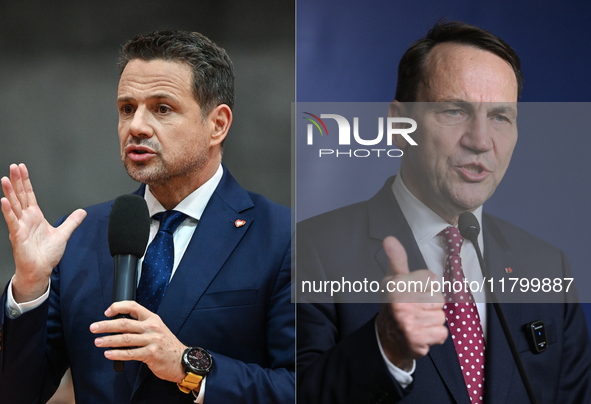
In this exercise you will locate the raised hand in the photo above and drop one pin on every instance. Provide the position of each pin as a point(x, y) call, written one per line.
point(410, 322)
point(37, 246)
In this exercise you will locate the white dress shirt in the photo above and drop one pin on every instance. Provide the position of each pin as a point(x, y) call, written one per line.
point(425, 226)
point(192, 206)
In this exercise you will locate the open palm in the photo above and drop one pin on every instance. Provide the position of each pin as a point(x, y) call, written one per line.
point(37, 246)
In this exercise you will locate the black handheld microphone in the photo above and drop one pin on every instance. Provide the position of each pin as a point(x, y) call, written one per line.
point(128, 233)
point(469, 229)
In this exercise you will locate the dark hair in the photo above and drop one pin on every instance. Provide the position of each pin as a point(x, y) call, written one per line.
point(213, 75)
point(411, 69)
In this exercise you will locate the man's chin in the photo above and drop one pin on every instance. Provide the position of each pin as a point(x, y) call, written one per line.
point(469, 201)
point(469, 195)
point(143, 174)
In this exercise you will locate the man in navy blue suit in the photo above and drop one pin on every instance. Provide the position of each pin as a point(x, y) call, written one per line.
point(461, 85)
point(224, 331)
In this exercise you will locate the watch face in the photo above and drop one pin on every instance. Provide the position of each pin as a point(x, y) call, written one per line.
point(199, 359)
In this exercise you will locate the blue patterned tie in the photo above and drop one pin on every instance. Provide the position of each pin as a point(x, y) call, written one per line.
point(158, 261)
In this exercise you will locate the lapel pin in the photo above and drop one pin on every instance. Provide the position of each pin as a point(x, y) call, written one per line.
point(508, 270)
point(239, 223)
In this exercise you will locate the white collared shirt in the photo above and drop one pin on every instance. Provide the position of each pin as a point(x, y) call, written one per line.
point(425, 226)
point(192, 206)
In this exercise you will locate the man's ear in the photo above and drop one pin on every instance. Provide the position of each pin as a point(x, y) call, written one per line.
point(398, 110)
point(221, 117)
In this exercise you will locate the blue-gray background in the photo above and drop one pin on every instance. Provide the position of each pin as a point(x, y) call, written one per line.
point(349, 52)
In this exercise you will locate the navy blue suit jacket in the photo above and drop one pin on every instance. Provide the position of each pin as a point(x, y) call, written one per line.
point(338, 356)
point(230, 294)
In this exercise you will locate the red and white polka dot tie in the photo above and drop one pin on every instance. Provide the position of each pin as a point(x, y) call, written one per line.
point(462, 317)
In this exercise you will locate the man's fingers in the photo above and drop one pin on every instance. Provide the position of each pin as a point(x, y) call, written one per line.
point(27, 186)
point(440, 335)
point(396, 255)
point(134, 309)
point(422, 340)
point(120, 325)
point(121, 341)
point(8, 190)
point(136, 354)
point(16, 178)
point(435, 333)
point(72, 222)
point(9, 216)
point(408, 330)
point(18, 189)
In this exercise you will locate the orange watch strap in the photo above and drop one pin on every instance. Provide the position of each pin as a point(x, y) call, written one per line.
point(191, 382)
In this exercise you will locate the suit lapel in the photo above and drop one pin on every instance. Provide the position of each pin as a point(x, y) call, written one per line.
point(105, 262)
point(386, 219)
point(215, 237)
point(500, 369)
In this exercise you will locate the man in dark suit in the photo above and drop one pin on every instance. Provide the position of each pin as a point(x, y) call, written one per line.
point(461, 85)
point(224, 328)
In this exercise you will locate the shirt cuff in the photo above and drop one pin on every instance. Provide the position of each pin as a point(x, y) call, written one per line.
point(199, 397)
point(14, 309)
point(402, 377)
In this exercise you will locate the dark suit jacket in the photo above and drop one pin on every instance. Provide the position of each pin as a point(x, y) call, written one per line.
point(338, 355)
point(230, 295)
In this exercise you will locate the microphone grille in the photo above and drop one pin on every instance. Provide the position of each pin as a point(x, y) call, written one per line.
point(129, 226)
point(469, 226)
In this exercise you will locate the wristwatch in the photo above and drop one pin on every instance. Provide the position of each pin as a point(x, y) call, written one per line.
point(197, 362)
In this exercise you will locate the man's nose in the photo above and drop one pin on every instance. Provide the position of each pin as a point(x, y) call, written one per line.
point(478, 134)
point(140, 124)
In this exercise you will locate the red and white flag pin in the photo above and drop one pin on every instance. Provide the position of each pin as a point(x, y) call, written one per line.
point(508, 270)
point(239, 223)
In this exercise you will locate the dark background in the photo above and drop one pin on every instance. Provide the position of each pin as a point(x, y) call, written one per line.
point(58, 87)
point(349, 51)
